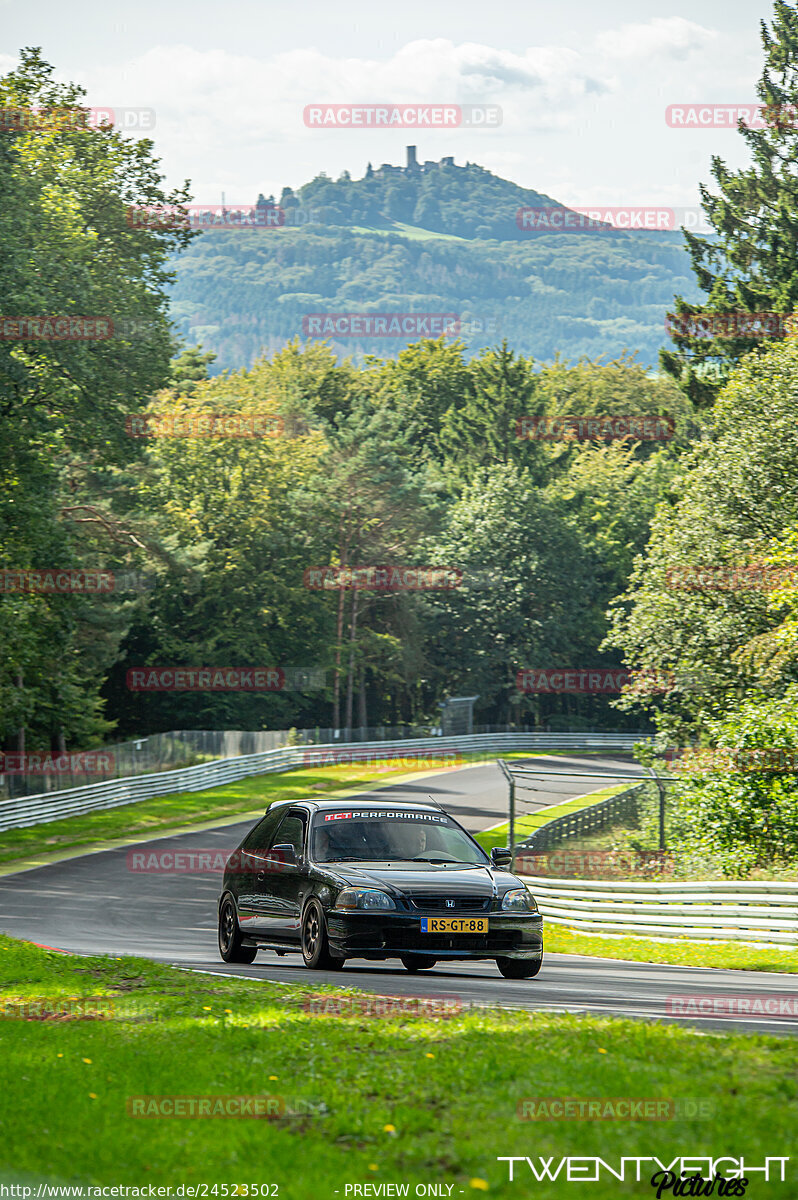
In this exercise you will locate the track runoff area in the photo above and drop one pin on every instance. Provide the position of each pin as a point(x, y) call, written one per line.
point(103, 903)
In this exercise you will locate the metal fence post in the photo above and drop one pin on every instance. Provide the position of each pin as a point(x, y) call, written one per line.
point(508, 776)
point(661, 790)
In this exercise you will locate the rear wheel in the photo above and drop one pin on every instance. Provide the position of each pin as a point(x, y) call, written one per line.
point(417, 962)
point(230, 946)
point(315, 946)
point(519, 968)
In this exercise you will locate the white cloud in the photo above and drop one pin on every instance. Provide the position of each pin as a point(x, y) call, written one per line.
point(233, 121)
point(670, 37)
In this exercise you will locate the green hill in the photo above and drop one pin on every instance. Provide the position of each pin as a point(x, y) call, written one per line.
point(435, 239)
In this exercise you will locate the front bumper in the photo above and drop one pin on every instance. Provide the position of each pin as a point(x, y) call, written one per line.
point(390, 935)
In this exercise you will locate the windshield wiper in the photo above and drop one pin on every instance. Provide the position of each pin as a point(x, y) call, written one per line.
point(347, 858)
point(438, 860)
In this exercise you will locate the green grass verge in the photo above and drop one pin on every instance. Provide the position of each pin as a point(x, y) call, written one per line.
point(147, 817)
point(526, 825)
point(400, 1099)
point(678, 951)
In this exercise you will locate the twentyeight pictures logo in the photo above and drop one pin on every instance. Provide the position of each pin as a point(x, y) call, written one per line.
point(588, 1169)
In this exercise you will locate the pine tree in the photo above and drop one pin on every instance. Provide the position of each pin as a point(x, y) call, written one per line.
point(749, 267)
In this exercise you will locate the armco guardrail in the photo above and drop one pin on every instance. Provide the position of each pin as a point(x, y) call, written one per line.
point(589, 819)
point(51, 806)
point(724, 910)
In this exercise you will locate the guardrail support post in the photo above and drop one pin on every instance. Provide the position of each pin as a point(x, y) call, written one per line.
point(661, 790)
point(508, 776)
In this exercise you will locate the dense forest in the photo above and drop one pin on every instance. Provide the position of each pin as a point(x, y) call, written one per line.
point(244, 293)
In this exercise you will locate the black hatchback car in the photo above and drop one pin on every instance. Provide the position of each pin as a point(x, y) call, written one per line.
point(375, 880)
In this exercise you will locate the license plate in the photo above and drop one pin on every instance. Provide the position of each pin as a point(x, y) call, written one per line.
point(454, 924)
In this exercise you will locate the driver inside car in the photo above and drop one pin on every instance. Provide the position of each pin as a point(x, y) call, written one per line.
point(409, 841)
point(339, 842)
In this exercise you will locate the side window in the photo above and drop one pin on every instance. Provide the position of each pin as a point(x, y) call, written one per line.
point(291, 833)
point(260, 838)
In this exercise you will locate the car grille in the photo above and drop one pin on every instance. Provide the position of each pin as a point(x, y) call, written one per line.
point(497, 942)
point(444, 904)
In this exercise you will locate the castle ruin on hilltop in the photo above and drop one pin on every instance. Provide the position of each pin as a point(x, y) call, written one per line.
point(412, 167)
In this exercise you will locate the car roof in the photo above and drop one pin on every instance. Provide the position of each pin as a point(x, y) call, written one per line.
point(353, 804)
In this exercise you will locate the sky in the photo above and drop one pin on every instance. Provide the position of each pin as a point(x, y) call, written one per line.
point(582, 88)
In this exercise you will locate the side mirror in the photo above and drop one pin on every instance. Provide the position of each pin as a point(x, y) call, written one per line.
point(282, 856)
point(500, 856)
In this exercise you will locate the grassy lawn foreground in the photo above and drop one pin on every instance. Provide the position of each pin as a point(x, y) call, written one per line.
point(730, 956)
point(394, 1099)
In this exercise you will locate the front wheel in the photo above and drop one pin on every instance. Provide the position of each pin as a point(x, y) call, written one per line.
point(519, 968)
point(230, 946)
point(315, 946)
point(417, 962)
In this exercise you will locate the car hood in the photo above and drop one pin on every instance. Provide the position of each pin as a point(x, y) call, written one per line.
point(426, 880)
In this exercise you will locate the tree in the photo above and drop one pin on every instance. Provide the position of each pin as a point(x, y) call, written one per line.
point(482, 427)
point(378, 507)
point(69, 249)
point(698, 603)
point(520, 602)
point(735, 806)
point(189, 367)
point(749, 267)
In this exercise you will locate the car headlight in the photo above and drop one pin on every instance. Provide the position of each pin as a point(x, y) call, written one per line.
point(519, 900)
point(364, 898)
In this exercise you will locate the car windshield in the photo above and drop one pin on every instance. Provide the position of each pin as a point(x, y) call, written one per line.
point(404, 836)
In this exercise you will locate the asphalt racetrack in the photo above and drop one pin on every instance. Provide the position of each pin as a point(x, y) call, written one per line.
point(97, 904)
